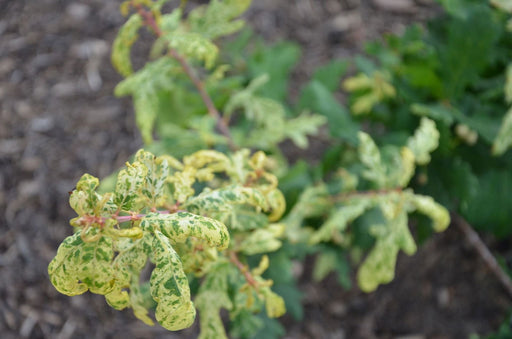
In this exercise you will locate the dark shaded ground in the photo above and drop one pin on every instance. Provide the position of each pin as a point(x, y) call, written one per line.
point(58, 119)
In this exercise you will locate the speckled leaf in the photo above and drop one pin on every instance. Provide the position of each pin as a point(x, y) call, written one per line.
point(339, 218)
point(217, 161)
point(79, 266)
point(371, 158)
point(178, 227)
point(156, 175)
point(424, 141)
point(84, 199)
point(122, 45)
point(221, 204)
point(129, 185)
point(379, 266)
point(426, 205)
point(118, 299)
point(169, 286)
point(182, 183)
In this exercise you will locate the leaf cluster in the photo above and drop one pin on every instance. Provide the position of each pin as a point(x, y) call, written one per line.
point(456, 72)
point(190, 219)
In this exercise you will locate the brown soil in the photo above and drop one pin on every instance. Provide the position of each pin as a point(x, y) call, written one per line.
point(59, 119)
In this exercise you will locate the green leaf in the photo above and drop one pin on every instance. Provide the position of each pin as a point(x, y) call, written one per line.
point(503, 140)
point(244, 324)
point(122, 45)
point(144, 86)
point(424, 141)
point(80, 266)
point(169, 286)
point(489, 208)
point(328, 260)
point(464, 45)
point(276, 61)
point(437, 112)
point(317, 98)
point(271, 329)
point(325, 263)
point(178, 227)
point(330, 74)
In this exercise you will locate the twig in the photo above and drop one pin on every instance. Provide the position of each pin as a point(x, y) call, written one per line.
point(484, 252)
point(222, 126)
point(369, 193)
point(245, 271)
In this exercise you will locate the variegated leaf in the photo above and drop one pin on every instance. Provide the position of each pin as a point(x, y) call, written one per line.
point(122, 45)
point(169, 286)
point(379, 265)
point(427, 206)
point(80, 266)
point(130, 182)
point(178, 227)
point(424, 141)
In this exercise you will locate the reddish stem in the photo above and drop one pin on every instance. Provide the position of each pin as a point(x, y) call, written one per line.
point(345, 196)
point(243, 269)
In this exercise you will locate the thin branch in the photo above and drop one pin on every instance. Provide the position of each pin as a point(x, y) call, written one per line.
point(484, 252)
point(361, 194)
point(149, 20)
point(243, 269)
